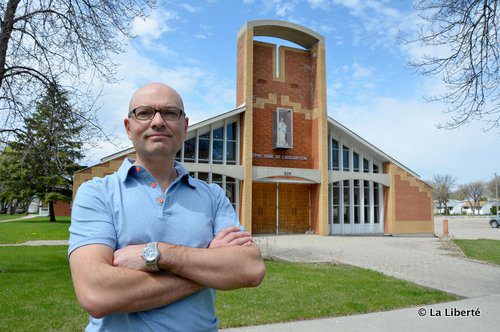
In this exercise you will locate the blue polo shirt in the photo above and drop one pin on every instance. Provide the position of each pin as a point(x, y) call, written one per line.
point(129, 207)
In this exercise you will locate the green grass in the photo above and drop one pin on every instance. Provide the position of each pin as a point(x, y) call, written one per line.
point(482, 249)
point(11, 216)
point(37, 293)
point(20, 231)
point(304, 291)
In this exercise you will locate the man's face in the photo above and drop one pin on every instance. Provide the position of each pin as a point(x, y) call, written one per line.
point(156, 138)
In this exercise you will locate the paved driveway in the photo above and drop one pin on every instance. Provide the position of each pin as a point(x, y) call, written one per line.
point(467, 227)
point(427, 261)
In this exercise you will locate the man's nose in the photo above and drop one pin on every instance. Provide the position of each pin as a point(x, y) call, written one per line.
point(157, 120)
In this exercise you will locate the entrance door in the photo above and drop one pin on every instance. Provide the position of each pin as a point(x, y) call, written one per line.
point(292, 206)
point(264, 208)
point(293, 202)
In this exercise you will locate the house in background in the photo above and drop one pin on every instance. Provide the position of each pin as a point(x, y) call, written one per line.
point(284, 164)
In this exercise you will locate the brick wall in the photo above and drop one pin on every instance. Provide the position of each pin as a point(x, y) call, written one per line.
point(62, 209)
point(292, 89)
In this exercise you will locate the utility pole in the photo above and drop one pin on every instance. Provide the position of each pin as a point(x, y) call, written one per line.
point(496, 191)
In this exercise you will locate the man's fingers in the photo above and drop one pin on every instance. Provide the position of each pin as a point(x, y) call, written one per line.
point(223, 233)
point(241, 241)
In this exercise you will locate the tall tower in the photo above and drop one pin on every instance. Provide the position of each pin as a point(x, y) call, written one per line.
point(288, 85)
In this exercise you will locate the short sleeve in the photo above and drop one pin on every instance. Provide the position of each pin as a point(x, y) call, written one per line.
point(225, 216)
point(91, 220)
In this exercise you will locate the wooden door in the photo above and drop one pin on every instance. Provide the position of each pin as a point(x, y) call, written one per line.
point(293, 208)
point(263, 208)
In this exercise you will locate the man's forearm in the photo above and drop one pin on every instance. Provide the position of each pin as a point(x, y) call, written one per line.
point(224, 268)
point(103, 289)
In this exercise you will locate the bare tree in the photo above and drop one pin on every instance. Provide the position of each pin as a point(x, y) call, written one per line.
point(46, 44)
point(493, 188)
point(473, 192)
point(443, 185)
point(468, 31)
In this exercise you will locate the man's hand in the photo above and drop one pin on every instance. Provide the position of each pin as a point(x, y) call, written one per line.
point(231, 236)
point(130, 257)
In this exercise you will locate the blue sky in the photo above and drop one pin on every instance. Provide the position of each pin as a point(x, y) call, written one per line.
point(191, 45)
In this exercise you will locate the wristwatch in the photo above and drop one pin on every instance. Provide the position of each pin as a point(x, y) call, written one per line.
point(151, 255)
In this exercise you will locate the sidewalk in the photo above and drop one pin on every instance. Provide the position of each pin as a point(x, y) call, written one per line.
point(482, 316)
point(29, 216)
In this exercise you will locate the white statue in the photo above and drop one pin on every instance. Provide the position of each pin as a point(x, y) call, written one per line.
point(282, 133)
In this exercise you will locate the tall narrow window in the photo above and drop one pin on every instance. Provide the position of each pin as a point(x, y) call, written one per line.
point(218, 145)
point(366, 165)
point(355, 162)
point(231, 190)
point(336, 202)
point(335, 155)
point(347, 219)
point(376, 203)
point(356, 202)
point(231, 142)
point(366, 201)
point(204, 148)
point(190, 149)
point(345, 158)
point(217, 179)
point(375, 168)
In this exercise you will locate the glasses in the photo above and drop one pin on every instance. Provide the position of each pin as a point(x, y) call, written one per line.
point(145, 113)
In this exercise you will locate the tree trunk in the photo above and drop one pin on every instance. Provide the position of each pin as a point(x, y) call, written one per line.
point(6, 29)
point(52, 214)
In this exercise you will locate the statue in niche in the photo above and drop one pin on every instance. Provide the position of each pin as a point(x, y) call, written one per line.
point(282, 133)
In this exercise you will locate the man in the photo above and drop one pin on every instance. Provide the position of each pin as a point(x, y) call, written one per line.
point(149, 244)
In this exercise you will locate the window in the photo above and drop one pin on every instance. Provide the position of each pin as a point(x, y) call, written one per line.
point(366, 201)
point(345, 157)
point(203, 176)
point(218, 145)
point(347, 219)
point(336, 202)
point(375, 168)
point(376, 205)
point(335, 155)
point(356, 202)
point(190, 149)
point(204, 148)
point(231, 141)
point(355, 162)
point(231, 190)
point(366, 165)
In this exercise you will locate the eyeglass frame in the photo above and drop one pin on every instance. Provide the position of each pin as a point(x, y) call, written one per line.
point(181, 113)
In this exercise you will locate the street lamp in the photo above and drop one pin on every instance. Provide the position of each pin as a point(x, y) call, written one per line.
point(496, 191)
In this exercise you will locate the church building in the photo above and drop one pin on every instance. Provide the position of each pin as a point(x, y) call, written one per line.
point(286, 166)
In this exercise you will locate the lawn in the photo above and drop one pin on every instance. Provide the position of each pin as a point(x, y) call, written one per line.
point(482, 249)
point(20, 231)
point(37, 295)
point(11, 216)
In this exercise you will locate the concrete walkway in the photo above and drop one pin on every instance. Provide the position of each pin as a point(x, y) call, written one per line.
point(482, 315)
point(29, 216)
point(428, 261)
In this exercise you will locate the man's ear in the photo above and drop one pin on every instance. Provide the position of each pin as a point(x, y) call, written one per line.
point(126, 123)
point(186, 125)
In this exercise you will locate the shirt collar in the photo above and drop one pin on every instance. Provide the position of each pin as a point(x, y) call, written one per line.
point(128, 165)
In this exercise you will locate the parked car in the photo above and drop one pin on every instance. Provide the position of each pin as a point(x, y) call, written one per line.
point(495, 222)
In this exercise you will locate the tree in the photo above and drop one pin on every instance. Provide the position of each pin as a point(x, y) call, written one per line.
point(466, 54)
point(46, 42)
point(48, 148)
point(493, 188)
point(473, 192)
point(443, 185)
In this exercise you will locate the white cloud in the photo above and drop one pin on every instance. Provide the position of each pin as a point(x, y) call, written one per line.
point(190, 8)
point(406, 131)
point(153, 26)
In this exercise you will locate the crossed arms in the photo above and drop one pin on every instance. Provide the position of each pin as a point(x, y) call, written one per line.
point(108, 281)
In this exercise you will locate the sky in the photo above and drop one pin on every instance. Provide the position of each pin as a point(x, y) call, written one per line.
point(191, 45)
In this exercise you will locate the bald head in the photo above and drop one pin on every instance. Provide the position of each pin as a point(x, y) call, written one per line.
point(156, 95)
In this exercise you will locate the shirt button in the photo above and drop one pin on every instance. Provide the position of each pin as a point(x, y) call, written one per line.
point(153, 184)
point(160, 200)
point(137, 168)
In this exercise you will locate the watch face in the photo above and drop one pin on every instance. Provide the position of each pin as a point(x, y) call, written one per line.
point(150, 254)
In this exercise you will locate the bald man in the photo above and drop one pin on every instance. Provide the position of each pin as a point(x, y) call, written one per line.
point(149, 244)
